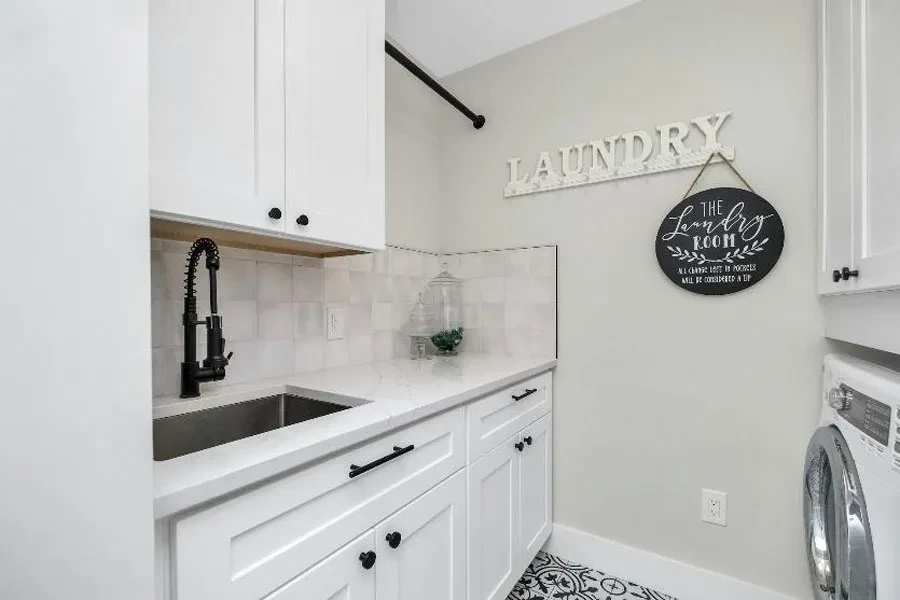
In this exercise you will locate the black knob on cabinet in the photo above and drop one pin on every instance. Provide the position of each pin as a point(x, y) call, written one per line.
point(367, 559)
point(275, 213)
point(527, 440)
point(836, 275)
point(303, 220)
point(393, 539)
point(846, 273)
point(520, 446)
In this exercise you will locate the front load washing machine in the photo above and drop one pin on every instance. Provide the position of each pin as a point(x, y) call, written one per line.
point(852, 484)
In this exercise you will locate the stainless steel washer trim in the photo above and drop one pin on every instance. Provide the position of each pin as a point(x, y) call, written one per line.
point(838, 538)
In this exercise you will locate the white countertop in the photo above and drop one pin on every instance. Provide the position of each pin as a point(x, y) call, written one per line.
point(398, 392)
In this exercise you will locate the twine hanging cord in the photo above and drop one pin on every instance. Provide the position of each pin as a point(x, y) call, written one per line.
point(707, 163)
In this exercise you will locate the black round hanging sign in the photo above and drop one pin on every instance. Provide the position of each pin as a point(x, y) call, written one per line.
point(719, 241)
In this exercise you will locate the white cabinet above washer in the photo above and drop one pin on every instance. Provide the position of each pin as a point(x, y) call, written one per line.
point(267, 119)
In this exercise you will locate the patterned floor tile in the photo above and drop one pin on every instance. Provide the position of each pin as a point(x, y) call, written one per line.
point(552, 578)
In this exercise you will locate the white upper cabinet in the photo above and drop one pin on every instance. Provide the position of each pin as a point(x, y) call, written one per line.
point(860, 145)
point(267, 116)
point(335, 120)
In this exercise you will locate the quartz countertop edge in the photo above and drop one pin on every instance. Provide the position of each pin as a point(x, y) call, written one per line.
point(393, 394)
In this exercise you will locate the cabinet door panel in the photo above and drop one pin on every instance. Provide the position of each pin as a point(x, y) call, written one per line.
point(877, 216)
point(535, 489)
point(335, 120)
point(341, 576)
point(836, 147)
point(430, 561)
point(494, 524)
point(216, 89)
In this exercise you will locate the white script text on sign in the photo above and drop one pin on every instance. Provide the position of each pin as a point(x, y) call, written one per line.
point(609, 159)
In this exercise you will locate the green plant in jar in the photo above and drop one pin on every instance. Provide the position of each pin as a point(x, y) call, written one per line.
point(446, 295)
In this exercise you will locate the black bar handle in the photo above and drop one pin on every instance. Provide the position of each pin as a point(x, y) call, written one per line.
point(356, 471)
point(477, 120)
point(525, 395)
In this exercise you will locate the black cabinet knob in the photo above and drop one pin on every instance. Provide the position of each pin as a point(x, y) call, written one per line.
point(527, 440)
point(303, 220)
point(393, 539)
point(367, 559)
point(520, 446)
point(275, 213)
point(846, 273)
point(836, 275)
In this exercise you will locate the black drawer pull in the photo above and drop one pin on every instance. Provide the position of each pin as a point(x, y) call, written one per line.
point(525, 395)
point(356, 471)
point(368, 559)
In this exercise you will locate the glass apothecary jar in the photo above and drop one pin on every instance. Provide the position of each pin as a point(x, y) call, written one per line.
point(420, 327)
point(446, 294)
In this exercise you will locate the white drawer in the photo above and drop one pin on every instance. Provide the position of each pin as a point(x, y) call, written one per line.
point(503, 414)
point(246, 547)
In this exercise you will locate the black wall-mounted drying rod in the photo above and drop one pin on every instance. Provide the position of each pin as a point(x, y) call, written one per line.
point(477, 120)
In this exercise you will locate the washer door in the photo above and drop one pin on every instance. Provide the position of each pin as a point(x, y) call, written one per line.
point(838, 538)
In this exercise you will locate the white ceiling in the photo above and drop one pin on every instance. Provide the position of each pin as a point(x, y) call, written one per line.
point(446, 36)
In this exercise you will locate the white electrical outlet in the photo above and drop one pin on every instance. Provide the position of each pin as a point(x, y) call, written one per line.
point(334, 323)
point(714, 508)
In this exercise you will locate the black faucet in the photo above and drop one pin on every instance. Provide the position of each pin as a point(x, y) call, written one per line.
point(214, 364)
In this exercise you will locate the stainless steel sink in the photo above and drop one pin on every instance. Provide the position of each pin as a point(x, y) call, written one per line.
point(194, 431)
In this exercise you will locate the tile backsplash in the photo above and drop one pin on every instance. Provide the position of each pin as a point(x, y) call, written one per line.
point(273, 307)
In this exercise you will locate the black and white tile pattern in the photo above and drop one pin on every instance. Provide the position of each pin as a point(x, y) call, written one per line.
point(552, 578)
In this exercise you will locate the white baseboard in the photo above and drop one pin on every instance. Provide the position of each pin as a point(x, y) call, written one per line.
point(684, 581)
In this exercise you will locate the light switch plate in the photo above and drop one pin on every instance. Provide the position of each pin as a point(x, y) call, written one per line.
point(335, 320)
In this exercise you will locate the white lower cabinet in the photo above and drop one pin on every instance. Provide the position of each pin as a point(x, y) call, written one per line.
point(340, 576)
point(404, 516)
point(422, 548)
point(510, 510)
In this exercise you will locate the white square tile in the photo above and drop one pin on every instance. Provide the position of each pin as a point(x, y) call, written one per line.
point(166, 371)
point(308, 261)
point(157, 275)
point(362, 262)
point(383, 316)
point(308, 284)
point(471, 290)
point(243, 365)
point(272, 257)
point(518, 316)
point(416, 264)
point(471, 265)
point(472, 316)
point(518, 262)
point(361, 287)
point(337, 285)
point(518, 342)
point(543, 261)
point(238, 320)
point(401, 314)
point(238, 253)
point(275, 282)
point(418, 285)
point(400, 288)
point(433, 266)
point(236, 279)
point(543, 343)
point(493, 315)
point(276, 358)
point(309, 355)
point(493, 289)
point(543, 290)
point(383, 345)
point(309, 320)
point(361, 349)
point(495, 264)
point(276, 321)
point(493, 341)
point(471, 343)
point(401, 345)
point(337, 353)
point(360, 319)
point(399, 262)
point(382, 288)
point(382, 260)
point(543, 317)
point(340, 263)
point(518, 289)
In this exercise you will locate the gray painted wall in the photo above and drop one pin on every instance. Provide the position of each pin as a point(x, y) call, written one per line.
point(659, 392)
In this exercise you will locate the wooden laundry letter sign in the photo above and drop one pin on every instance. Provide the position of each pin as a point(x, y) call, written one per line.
point(620, 156)
point(719, 241)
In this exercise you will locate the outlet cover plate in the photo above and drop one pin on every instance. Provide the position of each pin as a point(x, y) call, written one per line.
point(714, 507)
point(335, 320)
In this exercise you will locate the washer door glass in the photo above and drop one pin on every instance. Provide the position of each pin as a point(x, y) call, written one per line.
point(838, 538)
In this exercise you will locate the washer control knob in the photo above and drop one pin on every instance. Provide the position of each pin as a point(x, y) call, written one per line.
point(838, 399)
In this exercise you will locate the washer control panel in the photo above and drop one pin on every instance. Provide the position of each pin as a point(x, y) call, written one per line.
point(870, 416)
